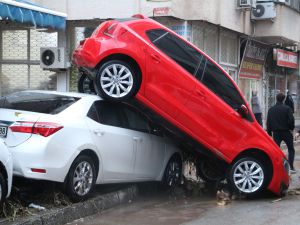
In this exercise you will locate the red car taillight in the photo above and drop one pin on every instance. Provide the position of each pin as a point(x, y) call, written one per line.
point(42, 128)
point(82, 42)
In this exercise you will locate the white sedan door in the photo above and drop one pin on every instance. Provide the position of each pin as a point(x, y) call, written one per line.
point(149, 149)
point(115, 144)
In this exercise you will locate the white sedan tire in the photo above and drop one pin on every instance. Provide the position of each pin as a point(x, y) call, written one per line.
point(3, 188)
point(81, 178)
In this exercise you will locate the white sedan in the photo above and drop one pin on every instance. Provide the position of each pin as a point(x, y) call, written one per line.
point(80, 139)
point(6, 168)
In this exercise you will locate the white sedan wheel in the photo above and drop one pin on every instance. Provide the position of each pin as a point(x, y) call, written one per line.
point(0, 193)
point(3, 188)
point(83, 178)
point(172, 174)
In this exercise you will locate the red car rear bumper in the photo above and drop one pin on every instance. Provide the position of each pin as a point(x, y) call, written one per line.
point(82, 58)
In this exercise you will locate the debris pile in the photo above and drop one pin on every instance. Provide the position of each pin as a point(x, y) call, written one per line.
point(29, 198)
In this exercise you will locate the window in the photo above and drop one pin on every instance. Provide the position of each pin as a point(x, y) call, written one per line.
point(108, 114)
point(136, 121)
point(37, 102)
point(118, 115)
point(221, 85)
point(200, 69)
point(180, 51)
point(93, 114)
point(20, 66)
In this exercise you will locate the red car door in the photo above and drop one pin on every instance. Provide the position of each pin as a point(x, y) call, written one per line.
point(212, 111)
point(170, 65)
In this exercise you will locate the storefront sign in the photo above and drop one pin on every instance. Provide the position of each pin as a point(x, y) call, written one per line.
point(286, 59)
point(161, 11)
point(253, 60)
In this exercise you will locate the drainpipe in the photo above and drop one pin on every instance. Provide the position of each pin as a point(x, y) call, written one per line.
point(139, 6)
point(1, 55)
point(63, 77)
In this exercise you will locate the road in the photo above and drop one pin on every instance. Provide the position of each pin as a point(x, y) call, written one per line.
point(160, 207)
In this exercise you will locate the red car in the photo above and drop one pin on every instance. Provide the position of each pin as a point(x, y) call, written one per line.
point(141, 58)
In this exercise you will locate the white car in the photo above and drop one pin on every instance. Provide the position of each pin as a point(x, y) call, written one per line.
point(6, 168)
point(80, 139)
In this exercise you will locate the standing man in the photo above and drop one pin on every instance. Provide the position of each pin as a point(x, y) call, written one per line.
point(289, 101)
point(256, 109)
point(281, 123)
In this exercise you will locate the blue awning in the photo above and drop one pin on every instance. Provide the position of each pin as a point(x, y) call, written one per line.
point(24, 11)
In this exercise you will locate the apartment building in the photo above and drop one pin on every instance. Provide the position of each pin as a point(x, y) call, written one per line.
point(256, 42)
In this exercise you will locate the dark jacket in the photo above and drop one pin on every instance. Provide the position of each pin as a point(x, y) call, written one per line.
point(280, 118)
point(289, 102)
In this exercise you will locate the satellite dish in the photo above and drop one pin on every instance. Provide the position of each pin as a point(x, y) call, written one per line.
point(48, 57)
point(259, 11)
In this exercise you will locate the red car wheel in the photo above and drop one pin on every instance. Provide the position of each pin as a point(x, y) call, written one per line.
point(116, 80)
point(248, 176)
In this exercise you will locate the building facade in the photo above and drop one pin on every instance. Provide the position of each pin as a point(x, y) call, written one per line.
point(222, 29)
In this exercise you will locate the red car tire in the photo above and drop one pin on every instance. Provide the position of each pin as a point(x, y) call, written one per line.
point(248, 176)
point(116, 80)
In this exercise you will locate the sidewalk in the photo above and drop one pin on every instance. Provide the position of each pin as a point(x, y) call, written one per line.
point(62, 215)
point(295, 178)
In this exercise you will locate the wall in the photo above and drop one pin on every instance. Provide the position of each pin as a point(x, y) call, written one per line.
point(286, 24)
point(58, 5)
point(219, 12)
point(91, 9)
point(19, 61)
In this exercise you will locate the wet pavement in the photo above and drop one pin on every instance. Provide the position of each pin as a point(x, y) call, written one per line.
point(258, 212)
point(161, 207)
point(200, 210)
point(155, 209)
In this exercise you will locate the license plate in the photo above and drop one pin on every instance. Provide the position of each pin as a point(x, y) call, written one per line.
point(3, 131)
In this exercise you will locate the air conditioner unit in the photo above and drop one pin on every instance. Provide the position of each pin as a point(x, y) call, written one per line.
point(53, 58)
point(263, 11)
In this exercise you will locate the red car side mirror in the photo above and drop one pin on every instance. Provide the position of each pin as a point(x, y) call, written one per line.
point(243, 111)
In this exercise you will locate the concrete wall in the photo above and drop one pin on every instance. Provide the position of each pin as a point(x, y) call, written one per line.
point(58, 5)
point(286, 24)
point(91, 9)
point(218, 12)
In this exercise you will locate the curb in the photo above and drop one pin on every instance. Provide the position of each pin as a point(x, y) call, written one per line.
point(81, 209)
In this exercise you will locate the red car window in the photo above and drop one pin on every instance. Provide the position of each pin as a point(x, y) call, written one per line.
point(180, 51)
point(222, 86)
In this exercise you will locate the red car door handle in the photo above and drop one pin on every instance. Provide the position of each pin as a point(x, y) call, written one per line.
point(201, 94)
point(155, 58)
point(235, 113)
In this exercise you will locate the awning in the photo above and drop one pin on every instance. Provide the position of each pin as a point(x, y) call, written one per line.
point(24, 11)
